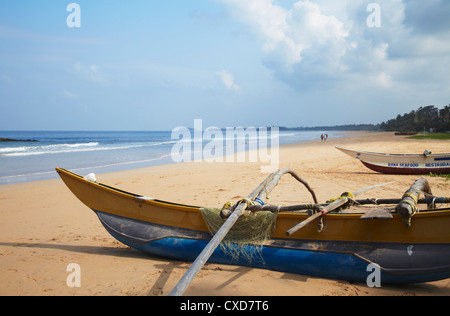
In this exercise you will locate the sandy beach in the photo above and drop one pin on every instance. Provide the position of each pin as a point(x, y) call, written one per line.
point(44, 227)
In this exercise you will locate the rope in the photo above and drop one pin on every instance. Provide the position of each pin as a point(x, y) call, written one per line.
point(346, 195)
point(259, 201)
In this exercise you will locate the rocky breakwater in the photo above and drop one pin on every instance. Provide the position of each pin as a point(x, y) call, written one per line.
point(16, 140)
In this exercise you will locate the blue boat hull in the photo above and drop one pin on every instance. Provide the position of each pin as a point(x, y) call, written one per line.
point(350, 261)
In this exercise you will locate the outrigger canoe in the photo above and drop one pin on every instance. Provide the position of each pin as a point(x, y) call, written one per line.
point(342, 250)
point(402, 163)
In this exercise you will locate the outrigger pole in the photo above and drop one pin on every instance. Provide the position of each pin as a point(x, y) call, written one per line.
point(331, 207)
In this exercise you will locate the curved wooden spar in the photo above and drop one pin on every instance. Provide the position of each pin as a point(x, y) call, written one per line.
point(331, 207)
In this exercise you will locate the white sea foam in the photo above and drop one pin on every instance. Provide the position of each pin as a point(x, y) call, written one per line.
point(90, 144)
point(42, 149)
point(70, 148)
point(13, 149)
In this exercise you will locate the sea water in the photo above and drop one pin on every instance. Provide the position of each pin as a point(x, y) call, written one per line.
point(95, 152)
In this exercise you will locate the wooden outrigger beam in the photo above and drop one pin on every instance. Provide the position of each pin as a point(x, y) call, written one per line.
point(331, 207)
point(318, 207)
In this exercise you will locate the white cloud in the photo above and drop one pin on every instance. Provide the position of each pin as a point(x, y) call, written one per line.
point(328, 41)
point(327, 55)
point(227, 79)
point(288, 33)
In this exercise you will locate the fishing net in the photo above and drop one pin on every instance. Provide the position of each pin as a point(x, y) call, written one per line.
point(247, 236)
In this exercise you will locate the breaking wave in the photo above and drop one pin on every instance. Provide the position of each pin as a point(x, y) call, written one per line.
point(69, 148)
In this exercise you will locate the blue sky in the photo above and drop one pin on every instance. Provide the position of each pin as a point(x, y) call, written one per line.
point(156, 65)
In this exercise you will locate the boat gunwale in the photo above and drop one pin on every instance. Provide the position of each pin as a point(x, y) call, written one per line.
point(129, 195)
point(196, 209)
point(394, 155)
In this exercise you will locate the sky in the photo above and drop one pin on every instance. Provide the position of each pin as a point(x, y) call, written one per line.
point(157, 65)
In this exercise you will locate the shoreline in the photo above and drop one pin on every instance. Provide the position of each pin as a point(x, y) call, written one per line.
point(45, 228)
point(163, 158)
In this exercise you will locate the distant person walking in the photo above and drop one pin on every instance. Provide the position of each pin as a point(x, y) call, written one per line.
point(321, 137)
point(325, 137)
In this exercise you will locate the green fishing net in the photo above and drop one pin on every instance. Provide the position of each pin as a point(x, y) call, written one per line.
point(247, 236)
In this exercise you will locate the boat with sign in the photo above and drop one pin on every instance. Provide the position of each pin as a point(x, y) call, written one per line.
point(402, 163)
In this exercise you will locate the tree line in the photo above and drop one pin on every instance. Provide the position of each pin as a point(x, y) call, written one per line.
point(348, 127)
point(425, 119)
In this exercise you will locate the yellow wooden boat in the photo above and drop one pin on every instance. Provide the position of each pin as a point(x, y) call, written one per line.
point(343, 250)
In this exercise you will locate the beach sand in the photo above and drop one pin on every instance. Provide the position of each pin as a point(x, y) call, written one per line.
point(44, 227)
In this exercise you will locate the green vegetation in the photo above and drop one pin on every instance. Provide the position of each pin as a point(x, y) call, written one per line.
point(425, 119)
point(446, 176)
point(441, 136)
point(349, 127)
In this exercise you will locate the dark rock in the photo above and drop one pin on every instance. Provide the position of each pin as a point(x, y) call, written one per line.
point(16, 140)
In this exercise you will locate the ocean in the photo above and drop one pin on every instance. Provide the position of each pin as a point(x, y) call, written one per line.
point(103, 152)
